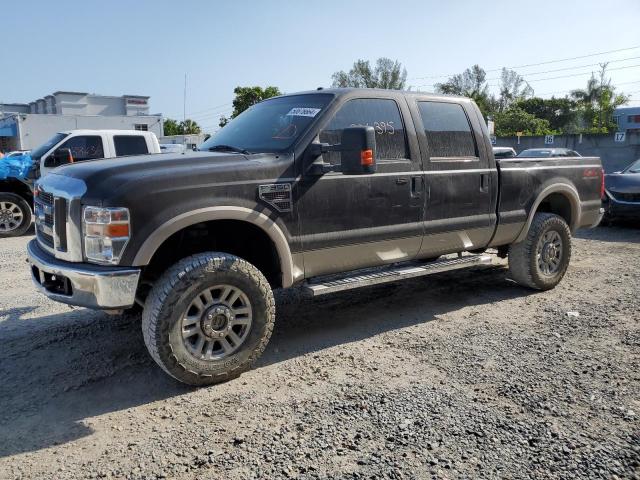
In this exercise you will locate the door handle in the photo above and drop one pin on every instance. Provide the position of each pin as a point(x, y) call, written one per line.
point(416, 186)
point(401, 181)
point(484, 182)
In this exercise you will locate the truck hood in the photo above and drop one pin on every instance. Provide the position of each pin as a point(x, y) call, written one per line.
point(139, 178)
point(623, 182)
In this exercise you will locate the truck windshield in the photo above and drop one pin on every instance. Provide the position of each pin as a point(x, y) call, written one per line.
point(633, 168)
point(269, 126)
point(46, 146)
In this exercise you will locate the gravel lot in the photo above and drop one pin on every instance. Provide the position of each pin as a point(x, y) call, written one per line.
point(462, 375)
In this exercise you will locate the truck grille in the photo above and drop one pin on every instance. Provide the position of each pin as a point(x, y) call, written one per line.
point(627, 197)
point(50, 213)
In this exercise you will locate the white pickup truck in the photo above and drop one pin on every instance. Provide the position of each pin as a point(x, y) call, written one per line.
point(16, 195)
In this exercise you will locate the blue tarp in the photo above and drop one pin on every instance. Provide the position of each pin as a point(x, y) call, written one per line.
point(15, 167)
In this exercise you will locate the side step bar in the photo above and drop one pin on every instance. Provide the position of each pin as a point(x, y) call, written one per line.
point(396, 273)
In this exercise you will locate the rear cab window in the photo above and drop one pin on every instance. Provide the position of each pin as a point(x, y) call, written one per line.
point(127, 145)
point(381, 114)
point(448, 132)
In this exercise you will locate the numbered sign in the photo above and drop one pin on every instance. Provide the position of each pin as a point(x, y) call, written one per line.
point(620, 136)
point(548, 139)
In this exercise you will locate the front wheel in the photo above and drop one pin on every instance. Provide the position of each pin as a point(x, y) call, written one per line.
point(208, 318)
point(15, 215)
point(542, 258)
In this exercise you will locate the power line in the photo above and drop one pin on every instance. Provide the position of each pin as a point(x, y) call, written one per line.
point(537, 64)
point(205, 110)
point(570, 68)
point(550, 71)
point(571, 90)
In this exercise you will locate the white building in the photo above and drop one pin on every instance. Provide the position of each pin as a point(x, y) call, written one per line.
point(189, 141)
point(24, 126)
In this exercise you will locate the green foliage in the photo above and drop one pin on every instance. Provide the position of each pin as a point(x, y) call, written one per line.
point(187, 127)
point(246, 97)
point(387, 74)
point(171, 127)
point(588, 110)
point(597, 102)
point(471, 83)
point(514, 119)
point(561, 113)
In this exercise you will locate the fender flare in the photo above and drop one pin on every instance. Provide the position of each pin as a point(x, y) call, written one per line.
point(275, 233)
point(568, 191)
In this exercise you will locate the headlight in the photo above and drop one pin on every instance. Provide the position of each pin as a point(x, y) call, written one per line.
point(106, 232)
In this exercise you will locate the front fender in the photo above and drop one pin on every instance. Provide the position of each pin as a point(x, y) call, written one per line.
point(184, 220)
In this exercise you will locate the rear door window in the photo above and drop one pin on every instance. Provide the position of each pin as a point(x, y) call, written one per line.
point(130, 145)
point(448, 132)
point(85, 147)
point(381, 114)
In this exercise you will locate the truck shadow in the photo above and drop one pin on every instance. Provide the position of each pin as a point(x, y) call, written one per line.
point(58, 372)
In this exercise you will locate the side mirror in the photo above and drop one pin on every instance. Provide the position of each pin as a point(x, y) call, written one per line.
point(61, 156)
point(358, 153)
point(358, 149)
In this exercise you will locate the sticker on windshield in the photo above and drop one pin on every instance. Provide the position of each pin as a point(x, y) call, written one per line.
point(303, 112)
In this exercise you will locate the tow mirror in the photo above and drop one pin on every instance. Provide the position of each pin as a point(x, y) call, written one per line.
point(357, 152)
point(61, 156)
point(358, 149)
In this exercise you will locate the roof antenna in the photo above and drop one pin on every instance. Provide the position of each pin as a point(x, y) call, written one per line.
point(320, 88)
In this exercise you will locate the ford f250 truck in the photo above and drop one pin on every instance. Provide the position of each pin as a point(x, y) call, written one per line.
point(328, 190)
point(17, 175)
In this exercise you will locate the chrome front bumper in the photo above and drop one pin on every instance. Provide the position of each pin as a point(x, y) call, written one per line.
point(82, 284)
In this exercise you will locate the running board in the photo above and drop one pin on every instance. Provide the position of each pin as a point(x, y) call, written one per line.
point(396, 273)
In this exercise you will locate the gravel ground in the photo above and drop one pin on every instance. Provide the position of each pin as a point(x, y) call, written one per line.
point(461, 375)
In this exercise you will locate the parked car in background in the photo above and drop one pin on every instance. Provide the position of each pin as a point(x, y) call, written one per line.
point(504, 152)
point(17, 153)
point(622, 193)
point(172, 148)
point(548, 153)
point(18, 172)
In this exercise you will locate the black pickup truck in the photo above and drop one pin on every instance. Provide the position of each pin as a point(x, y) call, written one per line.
point(328, 190)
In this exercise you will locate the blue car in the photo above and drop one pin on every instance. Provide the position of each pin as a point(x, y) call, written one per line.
point(622, 193)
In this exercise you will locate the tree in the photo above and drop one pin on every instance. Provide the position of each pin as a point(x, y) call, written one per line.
point(561, 113)
point(597, 102)
point(171, 127)
point(186, 127)
point(513, 88)
point(246, 97)
point(189, 127)
point(471, 83)
point(514, 119)
point(388, 74)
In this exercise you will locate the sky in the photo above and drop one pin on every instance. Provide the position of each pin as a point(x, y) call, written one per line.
point(145, 47)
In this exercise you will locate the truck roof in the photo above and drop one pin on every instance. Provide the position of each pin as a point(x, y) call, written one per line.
point(381, 91)
point(83, 131)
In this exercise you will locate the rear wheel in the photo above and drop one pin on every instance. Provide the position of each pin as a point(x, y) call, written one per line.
point(208, 318)
point(15, 215)
point(542, 258)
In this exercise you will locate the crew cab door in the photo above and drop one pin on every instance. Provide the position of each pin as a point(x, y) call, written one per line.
point(461, 178)
point(354, 221)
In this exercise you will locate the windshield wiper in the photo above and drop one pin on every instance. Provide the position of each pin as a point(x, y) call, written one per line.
point(228, 148)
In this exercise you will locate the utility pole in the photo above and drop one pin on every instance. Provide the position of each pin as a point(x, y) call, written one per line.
point(184, 112)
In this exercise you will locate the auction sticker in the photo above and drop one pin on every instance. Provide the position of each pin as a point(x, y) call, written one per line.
point(303, 112)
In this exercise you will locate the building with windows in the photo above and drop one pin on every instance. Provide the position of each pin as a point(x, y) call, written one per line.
point(628, 119)
point(24, 126)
